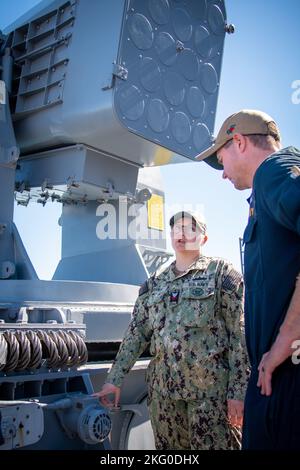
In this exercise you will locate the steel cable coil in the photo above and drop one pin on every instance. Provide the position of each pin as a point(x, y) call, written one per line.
point(82, 349)
point(72, 348)
point(3, 351)
point(49, 349)
point(61, 348)
point(36, 352)
point(24, 353)
point(13, 351)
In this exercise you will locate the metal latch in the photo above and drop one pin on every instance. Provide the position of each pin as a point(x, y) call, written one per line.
point(136, 409)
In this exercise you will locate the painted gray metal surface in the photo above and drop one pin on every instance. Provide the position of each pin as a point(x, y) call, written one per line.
point(24, 266)
point(104, 308)
point(136, 431)
point(172, 52)
point(9, 154)
point(20, 425)
point(64, 292)
point(49, 388)
point(157, 77)
point(57, 119)
point(127, 423)
point(96, 189)
point(78, 172)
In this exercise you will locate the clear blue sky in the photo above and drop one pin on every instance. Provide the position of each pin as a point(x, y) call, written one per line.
point(260, 63)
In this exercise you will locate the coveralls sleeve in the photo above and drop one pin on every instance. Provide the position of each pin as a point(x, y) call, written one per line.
point(232, 294)
point(136, 340)
point(279, 187)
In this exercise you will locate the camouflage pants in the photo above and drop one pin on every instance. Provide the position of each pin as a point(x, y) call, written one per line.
point(179, 424)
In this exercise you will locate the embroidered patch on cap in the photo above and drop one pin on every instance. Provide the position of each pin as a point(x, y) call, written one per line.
point(231, 129)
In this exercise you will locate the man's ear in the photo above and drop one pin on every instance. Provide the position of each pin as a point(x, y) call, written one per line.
point(240, 141)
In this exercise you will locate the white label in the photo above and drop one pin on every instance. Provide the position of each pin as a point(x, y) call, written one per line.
point(2, 92)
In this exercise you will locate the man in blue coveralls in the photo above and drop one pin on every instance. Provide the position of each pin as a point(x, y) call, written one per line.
point(249, 152)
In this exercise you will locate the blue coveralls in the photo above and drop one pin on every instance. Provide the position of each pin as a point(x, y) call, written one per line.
point(272, 263)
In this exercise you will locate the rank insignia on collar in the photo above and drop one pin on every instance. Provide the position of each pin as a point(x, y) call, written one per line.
point(174, 296)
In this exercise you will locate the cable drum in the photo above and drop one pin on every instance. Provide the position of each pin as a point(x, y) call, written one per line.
point(26, 350)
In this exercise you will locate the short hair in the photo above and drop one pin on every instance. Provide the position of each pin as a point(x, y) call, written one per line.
point(173, 221)
point(228, 143)
point(263, 142)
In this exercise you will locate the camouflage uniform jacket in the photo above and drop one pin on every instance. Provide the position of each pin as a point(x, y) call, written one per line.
point(195, 327)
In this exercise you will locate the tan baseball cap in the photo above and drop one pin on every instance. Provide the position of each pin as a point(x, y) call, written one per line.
point(246, 122)
point(196, 216)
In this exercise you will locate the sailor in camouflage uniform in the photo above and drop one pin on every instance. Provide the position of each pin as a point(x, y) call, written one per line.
point(192, 316)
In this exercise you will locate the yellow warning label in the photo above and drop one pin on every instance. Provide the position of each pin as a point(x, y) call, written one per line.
point(156, 212)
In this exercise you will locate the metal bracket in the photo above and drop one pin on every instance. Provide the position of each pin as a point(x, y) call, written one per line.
point(179, 46)
point(46, 185)
point(109, 190)
point(136, 409)
point(118, 72)
point(229, 28)
point(22, 315)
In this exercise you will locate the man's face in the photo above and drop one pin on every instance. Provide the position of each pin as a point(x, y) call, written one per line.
point(234, 163)
point(186, 235)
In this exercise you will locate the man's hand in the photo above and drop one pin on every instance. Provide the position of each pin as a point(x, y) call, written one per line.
point(235, 412)
point(278, 353)
point(282, 347)
point(108, 389)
